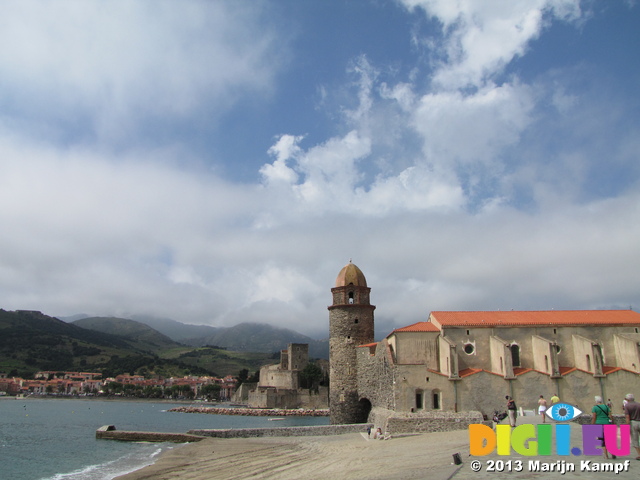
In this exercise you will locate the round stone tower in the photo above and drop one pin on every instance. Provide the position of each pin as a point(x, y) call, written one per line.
point(350, 325)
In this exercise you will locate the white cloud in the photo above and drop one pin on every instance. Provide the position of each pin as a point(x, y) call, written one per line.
point(481, 38)
point(470, 129)
point(152, 231)
point(113, 63)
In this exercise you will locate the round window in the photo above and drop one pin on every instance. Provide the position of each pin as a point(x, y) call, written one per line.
point(469, 348)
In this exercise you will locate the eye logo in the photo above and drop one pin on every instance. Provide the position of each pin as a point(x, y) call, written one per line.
point(562, 412)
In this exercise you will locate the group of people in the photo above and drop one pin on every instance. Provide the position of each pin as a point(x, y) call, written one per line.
point(601, 414)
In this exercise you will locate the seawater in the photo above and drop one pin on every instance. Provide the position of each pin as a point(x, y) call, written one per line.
point(54, 439)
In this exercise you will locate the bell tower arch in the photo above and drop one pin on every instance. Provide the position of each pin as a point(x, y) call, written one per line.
point(350, 325)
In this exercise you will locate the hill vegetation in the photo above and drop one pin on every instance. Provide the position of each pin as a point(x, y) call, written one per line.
point(31, 341)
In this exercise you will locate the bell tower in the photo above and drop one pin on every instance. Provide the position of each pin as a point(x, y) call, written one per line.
point(350, 325)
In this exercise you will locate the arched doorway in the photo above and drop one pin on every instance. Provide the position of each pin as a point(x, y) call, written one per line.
point(364, 408)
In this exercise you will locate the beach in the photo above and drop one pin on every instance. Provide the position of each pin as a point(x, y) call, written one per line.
point(347, 456)
point(354, 456)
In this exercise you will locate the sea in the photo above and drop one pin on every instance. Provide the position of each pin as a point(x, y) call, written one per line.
point(54, 439)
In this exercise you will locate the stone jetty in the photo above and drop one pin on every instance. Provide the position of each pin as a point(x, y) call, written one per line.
point(109, 432)
point(255, 412)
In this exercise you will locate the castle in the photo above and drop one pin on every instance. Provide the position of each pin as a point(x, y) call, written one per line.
point(468, 361)
point(279, 384)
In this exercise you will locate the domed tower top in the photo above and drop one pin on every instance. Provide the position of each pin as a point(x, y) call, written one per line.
point(351, 275)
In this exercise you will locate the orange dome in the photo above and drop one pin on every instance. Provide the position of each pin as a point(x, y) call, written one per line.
point(351, 275)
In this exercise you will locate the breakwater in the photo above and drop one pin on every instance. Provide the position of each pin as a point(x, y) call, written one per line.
point(255, 412)
point(109, 432)
point(282, 431)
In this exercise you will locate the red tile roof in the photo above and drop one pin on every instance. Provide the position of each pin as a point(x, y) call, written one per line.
point(418, 327)
point(535, 318)
point(565, 370)
point(519, 370)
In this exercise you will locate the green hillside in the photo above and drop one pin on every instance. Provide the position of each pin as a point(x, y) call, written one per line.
point(31, 341)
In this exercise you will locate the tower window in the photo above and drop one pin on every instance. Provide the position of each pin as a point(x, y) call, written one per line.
point(350, 297)
point(355, 321)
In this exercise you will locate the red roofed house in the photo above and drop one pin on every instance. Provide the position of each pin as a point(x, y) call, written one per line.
point(469, 361)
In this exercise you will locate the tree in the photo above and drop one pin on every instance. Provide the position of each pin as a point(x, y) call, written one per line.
point(310, 377)
point(243, 375)
point(211, 391)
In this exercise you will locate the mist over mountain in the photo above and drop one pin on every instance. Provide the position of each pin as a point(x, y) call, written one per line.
point(244, 337)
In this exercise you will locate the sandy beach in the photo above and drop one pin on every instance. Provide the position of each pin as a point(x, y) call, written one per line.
point(346, 456)
point(352, 456)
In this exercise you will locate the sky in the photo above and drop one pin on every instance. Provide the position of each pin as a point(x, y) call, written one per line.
point(219, 162)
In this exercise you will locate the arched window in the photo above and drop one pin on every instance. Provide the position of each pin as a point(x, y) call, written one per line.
point(515, 355)
point(350, 297)
point(588, 363)
point(546, 363)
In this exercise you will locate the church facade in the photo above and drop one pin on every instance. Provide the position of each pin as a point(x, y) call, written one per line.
point(469, 361)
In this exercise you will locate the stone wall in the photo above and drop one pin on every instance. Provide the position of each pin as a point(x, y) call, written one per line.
point(283, 431)
point(375, 376)
point(394, 423)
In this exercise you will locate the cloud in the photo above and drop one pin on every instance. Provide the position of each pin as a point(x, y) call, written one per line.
point(107, 66)
point(461, 186)
point(481, 38)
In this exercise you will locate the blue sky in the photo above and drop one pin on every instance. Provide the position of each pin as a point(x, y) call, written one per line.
point(219, 162)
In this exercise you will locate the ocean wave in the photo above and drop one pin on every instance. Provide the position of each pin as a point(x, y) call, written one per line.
point(142, 457)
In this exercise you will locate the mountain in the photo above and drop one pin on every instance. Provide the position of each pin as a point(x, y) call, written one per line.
point(177, 331)
point(244, 337)
point(260, 337)
point(143, 336)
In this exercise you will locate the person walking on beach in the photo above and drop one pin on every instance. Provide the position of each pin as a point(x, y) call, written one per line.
point(601, 415)
point(632, 416)
point(511, 410)
point(554, 399)
point(542, 407)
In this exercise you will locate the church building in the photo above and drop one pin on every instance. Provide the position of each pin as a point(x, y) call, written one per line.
point(469, 361)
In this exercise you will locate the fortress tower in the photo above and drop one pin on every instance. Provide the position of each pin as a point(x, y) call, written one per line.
point(350, 325)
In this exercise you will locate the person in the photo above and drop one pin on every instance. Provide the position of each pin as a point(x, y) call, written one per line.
point(511, 410)
point(601, 415)
point(610, 405)
point(378, 434)
point(554, 399)
point(632, 416)
point(542, 407)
